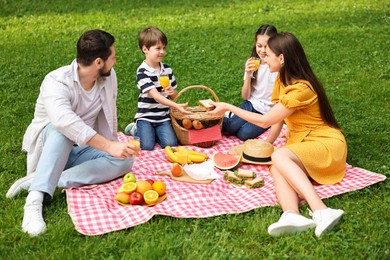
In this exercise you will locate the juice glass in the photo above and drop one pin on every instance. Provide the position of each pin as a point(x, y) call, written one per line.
point(135, 141)
point(182, 157)
point(256, 62)
point(164, 81)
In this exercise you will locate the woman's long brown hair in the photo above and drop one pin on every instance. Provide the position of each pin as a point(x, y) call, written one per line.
point(297, 67)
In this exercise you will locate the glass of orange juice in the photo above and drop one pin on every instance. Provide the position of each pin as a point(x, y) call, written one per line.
point(135, 141)
point(256, 62)
point(182, 157)
point(164, 81)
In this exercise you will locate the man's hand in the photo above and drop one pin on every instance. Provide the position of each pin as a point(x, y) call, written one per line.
point(113, 148)
point(123, 150)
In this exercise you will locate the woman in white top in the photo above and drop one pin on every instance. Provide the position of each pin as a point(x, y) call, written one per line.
point(256, 91)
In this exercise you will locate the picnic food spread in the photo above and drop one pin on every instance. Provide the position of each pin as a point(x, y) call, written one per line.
point(141, 192)
point(244, 177)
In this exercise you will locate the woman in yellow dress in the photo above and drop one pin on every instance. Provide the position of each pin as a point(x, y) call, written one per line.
point(316, 149)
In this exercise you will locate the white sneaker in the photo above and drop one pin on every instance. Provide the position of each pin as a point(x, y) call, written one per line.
point(290, 223)
point(19, 185)
point(33, 222)
point(326, 219)
point(228, 114)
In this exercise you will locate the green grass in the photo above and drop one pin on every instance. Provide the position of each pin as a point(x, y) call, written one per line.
point(347, 44)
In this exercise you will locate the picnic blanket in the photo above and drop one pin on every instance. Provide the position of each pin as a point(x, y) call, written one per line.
point(94, 211)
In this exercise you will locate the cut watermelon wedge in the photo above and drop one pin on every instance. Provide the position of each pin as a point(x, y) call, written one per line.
point(226, 161)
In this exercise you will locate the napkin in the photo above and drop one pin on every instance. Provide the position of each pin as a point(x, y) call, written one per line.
point(201, 171)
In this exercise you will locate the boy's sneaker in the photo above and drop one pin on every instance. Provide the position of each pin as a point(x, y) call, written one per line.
point(290, 223)
point(131, 129)
point(326, 219)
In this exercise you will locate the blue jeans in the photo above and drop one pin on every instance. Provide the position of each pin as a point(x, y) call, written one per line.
point(152, 133)
point(66, 165)
point(241, 128)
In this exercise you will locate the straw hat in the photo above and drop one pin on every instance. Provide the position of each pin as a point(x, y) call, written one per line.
point(254, 151)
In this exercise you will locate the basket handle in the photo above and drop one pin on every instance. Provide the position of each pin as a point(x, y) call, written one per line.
point(197, 86)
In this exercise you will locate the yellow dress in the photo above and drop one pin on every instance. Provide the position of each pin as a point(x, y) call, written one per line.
point(322, 149)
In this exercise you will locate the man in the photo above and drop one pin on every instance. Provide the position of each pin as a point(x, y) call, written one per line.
point(72, 141)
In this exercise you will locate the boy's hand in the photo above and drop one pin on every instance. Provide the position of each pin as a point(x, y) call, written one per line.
point(170, 91)
point(181, 108)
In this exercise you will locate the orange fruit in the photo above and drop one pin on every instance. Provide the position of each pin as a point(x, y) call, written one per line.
point(143, 186)
point(177, 170)
point(129, 187)
point(150, 197)
point(159, 186)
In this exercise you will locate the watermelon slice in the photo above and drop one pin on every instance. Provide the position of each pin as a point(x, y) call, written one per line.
point(226, 161)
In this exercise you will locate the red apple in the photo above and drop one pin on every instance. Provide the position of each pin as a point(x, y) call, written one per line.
point(150, 181)
point(136, 198)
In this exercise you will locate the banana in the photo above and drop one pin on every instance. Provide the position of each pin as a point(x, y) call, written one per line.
point(193, 156)
point(170, 154)
point(196, 158)
point(192, 152)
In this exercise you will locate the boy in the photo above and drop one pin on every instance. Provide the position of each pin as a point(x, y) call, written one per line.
point(152, 119)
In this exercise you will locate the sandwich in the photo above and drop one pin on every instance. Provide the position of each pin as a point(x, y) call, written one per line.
point(254, 183)
point(206, 104)
point(233, 178)
point(246, 174)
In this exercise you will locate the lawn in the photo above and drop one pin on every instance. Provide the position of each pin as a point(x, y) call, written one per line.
point(347, 45)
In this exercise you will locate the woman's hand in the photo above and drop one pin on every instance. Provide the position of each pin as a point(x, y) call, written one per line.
point(220, 108)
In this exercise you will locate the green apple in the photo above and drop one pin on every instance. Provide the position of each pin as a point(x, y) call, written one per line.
point(129, 177)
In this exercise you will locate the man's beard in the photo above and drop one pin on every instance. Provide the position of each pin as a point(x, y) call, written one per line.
point(104, 74)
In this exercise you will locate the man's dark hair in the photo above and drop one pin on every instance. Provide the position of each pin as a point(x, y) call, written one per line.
point(94, 44)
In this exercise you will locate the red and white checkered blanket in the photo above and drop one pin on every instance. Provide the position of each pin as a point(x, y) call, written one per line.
point(94, 210)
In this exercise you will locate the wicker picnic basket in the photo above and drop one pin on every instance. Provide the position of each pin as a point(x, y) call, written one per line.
point(199, 113)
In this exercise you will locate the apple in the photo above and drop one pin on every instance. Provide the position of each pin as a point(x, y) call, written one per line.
point(136, 198)
point(150, 181)
point(122, 197)
point(129, 177)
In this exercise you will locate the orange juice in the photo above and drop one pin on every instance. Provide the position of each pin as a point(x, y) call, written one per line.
point(256, 62)
point(164, 81)
point(135, 141)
